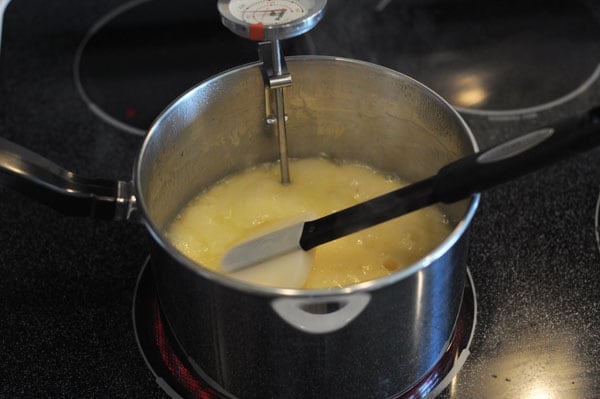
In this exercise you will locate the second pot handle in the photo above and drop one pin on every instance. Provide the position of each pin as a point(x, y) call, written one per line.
point(42, 180)
point(318, 315)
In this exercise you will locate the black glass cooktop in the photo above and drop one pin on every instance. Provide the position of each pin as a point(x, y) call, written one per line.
point(67, 284)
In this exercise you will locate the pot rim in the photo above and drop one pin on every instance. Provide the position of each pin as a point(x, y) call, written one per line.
point(159, 236)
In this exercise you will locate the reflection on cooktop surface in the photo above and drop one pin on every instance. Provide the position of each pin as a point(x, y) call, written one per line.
point(491, 55)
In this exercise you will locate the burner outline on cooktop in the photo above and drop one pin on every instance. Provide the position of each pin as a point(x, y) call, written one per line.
point(530, 112)
point(98, 111)
point(140, 57)
point(494, 67)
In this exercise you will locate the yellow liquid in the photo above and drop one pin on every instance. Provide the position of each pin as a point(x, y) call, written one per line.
point(236, 208)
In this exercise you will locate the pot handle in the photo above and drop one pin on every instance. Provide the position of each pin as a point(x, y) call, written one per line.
point(42, 180)
point(319, 316)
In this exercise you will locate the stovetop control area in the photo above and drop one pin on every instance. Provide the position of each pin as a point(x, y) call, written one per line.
point(81, 82)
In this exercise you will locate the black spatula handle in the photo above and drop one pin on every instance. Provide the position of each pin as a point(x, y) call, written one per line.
point(464, 177)
point(366, 214)
point(518, 157)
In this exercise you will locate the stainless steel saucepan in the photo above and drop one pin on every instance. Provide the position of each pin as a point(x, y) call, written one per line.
point(373, 339)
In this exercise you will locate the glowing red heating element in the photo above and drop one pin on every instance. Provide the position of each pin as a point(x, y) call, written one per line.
point(444, 366)
point(175, 366)
point(196, 389)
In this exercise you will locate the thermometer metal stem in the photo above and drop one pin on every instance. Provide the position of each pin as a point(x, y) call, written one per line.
point(280, 114)
point(269, 21)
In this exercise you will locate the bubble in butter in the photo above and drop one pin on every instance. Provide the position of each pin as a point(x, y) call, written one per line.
point(241, 205)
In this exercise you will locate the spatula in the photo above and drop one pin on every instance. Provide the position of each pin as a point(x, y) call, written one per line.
point(456, 181)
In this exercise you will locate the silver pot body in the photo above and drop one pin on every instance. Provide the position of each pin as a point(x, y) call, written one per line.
point(375, 339)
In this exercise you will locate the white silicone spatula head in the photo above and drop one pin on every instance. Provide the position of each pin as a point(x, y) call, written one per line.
point(290, 270)
point(289, 267)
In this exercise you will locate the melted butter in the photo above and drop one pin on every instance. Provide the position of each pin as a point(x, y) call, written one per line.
point(239, 206)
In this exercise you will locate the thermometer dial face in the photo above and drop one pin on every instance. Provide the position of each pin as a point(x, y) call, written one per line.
point(267, 12)
point(270, 19)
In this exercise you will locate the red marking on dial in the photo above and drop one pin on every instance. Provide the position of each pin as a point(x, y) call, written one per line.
point(257, 32)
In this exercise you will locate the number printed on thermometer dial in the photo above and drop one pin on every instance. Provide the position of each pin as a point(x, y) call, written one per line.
point(267, 12)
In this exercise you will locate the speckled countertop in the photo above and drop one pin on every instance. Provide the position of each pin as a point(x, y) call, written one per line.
point(67, 284)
